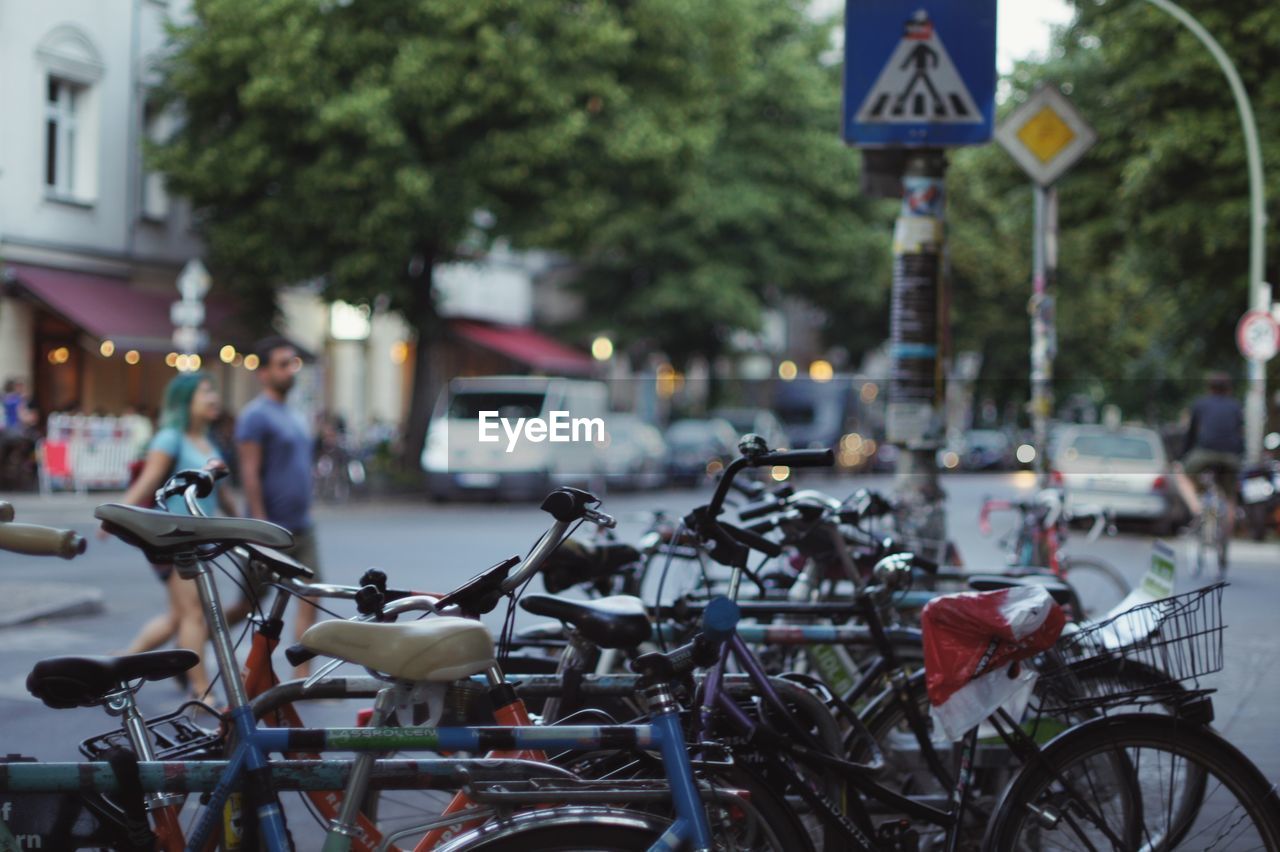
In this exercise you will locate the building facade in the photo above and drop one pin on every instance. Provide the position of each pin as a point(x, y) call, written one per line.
point(90, 243)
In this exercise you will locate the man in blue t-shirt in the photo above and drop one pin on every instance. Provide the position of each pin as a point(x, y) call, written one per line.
point(275, 448)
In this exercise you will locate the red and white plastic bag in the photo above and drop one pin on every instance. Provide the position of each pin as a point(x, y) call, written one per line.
point(973, 644)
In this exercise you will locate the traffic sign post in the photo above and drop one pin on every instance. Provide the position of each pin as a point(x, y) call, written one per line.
point(1046, 136)
point(1258, 336)
point(920, 77)
point(187, 314)
point(919, 74)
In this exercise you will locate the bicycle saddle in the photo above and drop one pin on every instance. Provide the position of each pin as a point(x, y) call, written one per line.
point(63, 682)
point(276, 562)
point(162, 535)
point(619, 621)
point(432, 649)
point(576, 562)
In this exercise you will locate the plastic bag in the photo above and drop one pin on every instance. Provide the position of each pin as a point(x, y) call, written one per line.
point(972, 644)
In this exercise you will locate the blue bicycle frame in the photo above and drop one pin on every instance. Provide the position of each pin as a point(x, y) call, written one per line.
point(664, 732)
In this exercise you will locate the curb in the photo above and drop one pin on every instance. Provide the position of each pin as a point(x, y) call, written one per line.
point(47, 600)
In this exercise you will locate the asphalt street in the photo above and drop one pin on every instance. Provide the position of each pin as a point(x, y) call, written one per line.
point(434, 547)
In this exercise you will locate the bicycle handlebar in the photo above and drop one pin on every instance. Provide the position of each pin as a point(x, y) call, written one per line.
point(751, 511)
point(795, 458)
point(200, 480)
point(35, 540)
point(719, 621)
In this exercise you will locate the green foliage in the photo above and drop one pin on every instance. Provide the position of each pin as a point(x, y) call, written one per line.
point(685, 150)
point(363, 143)
point(346, 141)
point(1154, 221)
point(773, 209)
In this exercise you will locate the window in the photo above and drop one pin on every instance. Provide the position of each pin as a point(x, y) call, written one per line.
point(155, 199)
point(69, 98)
point(62, 106)
point(1115, 447)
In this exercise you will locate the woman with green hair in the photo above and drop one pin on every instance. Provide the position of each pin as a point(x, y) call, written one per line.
point(191, 405)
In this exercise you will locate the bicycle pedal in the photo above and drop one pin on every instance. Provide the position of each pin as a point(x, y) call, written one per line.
point(897, 836)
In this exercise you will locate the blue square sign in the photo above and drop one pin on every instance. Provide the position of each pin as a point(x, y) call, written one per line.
point(920, 73)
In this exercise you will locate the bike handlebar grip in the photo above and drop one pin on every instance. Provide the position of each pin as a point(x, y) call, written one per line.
point(767, 525)
point(6, 512)
point(34, 540)
point(755, 541)
point(567, 504)
point(798, 458)
point(299, 654)
point(751, 511)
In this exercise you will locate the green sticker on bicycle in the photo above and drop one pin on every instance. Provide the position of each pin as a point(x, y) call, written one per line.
point(1158, 581)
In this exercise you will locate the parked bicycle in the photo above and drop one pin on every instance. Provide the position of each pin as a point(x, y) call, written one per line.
point(1038, 542)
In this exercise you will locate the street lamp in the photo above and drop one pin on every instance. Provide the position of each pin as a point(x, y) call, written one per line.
point(1256, 397)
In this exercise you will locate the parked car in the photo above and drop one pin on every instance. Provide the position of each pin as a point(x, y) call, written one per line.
point(757, 421)
point(814, 414)
point(635, 453)
point(698, 448)
point(1124, 470)
point(458, 460)
point(986, 449)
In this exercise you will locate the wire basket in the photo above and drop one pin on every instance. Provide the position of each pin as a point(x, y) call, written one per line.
point(1142, 656)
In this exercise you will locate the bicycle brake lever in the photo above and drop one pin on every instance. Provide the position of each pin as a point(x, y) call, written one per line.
point(600, 519)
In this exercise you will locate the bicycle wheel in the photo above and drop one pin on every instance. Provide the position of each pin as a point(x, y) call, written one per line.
point(907, 771)
point(1098, 585)
point(1130, 782)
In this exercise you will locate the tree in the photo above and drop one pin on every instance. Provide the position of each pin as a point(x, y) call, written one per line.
point(356, 143)
point(774, 210)
point(1154, 220)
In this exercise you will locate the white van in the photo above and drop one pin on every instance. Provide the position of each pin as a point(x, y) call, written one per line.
point(484, 436)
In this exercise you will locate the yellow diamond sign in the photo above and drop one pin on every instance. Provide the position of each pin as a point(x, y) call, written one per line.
point(1046, 134)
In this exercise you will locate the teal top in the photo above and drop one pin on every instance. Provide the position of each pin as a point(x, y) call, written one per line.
point(186, 455)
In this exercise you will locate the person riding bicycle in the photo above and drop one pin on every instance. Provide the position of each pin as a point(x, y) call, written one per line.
point(1215, 442)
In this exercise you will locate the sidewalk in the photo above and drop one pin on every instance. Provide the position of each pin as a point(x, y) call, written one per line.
point(25, 602)
point(22, 603)
point(29, 506)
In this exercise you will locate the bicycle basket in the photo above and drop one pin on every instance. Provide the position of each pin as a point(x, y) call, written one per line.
point(1140, 656)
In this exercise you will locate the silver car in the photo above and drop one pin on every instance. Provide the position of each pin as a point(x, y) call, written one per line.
point(1124, 470)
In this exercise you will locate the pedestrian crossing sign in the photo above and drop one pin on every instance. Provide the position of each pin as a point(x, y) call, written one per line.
point(920, 73)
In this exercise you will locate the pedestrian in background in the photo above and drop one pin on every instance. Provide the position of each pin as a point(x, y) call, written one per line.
point(17, 436)
point(275, 452)
point(191, 405)
point(1214, 442)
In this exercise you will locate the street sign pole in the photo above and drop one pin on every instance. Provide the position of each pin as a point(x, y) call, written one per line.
point(919, 78)
point(915, 330)
point(1046, 136)
point(1043, 326)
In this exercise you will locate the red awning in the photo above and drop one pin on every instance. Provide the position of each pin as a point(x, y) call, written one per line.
point(525, 345)
point(106, 308)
